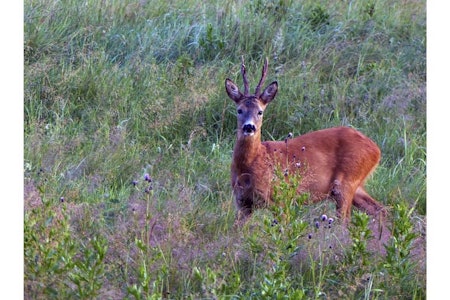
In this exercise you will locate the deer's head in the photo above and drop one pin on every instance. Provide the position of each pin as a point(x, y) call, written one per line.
point(250, 107)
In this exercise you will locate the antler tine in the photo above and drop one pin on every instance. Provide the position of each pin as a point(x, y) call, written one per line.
point(263, 77)
point(244, 76)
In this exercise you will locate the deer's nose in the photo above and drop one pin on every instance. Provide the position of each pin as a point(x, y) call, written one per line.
point(249, 128)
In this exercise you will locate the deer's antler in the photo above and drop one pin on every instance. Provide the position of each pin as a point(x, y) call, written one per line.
point(263, 78)
point(244, 76)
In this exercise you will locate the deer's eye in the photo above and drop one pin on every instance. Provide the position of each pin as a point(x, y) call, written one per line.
point(239, 111)
point(260, 112)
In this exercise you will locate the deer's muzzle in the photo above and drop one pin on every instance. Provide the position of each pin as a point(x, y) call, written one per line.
point(249, 129)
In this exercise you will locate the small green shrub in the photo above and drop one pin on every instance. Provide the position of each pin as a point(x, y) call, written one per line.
point(57, 265)
point(89, 272)
point(211, 43)
point(359, 234)
point(398, 263)
point(318, 17)
point(49, 251)
point(278, 238)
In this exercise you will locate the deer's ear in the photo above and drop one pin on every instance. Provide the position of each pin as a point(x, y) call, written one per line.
point(270, 92)
point(233, 91)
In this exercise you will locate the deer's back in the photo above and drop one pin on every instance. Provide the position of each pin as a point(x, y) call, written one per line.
point(320, 156)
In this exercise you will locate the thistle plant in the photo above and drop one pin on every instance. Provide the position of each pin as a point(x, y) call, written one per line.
point(359, 234)
point(150, 284)
point(282, 234)
point(88, 274)
point(398, 251)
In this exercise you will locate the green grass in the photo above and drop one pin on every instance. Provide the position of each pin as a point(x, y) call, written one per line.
point(114, 90)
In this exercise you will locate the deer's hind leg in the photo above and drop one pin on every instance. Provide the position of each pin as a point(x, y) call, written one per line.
point(342, 194)
point(363, 201)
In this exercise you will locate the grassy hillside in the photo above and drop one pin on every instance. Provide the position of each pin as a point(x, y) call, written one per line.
point(129, 133)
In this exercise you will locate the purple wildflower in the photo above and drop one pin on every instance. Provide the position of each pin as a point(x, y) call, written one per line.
point(148, 189)
point(147, 177)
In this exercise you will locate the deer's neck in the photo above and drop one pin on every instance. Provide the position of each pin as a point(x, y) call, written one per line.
point(247, 149)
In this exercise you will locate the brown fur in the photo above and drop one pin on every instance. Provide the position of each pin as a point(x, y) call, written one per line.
point(333, 163)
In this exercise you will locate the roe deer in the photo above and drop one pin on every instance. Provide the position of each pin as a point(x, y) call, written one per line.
point(333, 163)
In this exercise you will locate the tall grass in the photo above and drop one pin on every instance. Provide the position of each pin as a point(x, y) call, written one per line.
point(114, 90)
